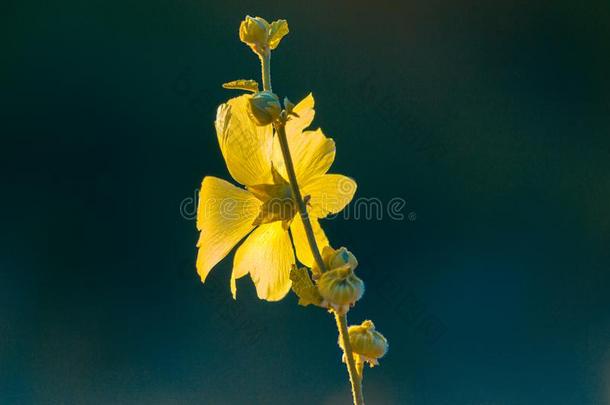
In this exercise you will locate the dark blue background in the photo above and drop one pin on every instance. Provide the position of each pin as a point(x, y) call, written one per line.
point(491, 120)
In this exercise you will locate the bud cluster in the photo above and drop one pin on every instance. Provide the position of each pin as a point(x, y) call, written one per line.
point(339, 287)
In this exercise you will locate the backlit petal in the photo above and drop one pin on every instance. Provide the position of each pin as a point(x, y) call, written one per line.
point(304, 110)
point(299, 237)
point(312, 154)
point(268, 256)
point(224, 216)
point(328, 194)
point(245, 147)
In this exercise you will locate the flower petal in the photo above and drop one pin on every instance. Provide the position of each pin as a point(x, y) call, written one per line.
point(312, 153)
point(268, 256)
point(328, 194)
point(245, 147)
point(304, 110)
point(299, 237)
point(224, 216)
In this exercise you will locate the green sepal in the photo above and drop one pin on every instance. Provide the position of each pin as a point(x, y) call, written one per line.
point(304, 288)
point(242, 84)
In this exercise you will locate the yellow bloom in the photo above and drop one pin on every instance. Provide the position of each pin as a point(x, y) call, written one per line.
point(265, 209)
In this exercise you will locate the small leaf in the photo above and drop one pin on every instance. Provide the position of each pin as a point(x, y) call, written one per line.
point(288, 105)
point(242, 84)
point(303, 287)
point(277, 31)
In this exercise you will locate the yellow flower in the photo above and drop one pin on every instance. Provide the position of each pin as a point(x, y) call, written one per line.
point(265, 209)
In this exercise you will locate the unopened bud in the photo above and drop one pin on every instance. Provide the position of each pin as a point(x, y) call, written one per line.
point(264, 108)
point(336, 258)
point(261, 36)
point(342, 257)
point(254, 32)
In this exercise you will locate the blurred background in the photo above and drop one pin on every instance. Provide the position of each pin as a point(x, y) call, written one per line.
point(490, 120)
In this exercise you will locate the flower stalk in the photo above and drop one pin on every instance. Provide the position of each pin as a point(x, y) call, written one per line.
point(355, 378)
point(265, 58)
point(280, 126)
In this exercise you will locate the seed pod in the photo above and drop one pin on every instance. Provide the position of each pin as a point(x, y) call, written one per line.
point(366, 342)
point(340, 288)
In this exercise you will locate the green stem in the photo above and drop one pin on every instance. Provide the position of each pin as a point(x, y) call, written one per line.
point(280, 127)
point(354, 377)
point(296, 192)
point(265, 58)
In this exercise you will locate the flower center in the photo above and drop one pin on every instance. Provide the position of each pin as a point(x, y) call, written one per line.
point(278, 203)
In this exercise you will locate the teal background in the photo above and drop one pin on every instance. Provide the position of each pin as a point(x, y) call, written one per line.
point(491, 119)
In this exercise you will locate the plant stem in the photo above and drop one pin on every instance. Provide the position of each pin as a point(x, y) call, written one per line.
point(280, 127)
point(265, 58)
point(355, 378)
point(292, 178)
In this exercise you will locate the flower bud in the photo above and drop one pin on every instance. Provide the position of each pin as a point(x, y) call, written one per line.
point(336, 258)
point(340, 288)
point(367, 343)
point(254, 32)
point(342, 257)
point(264, 108)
